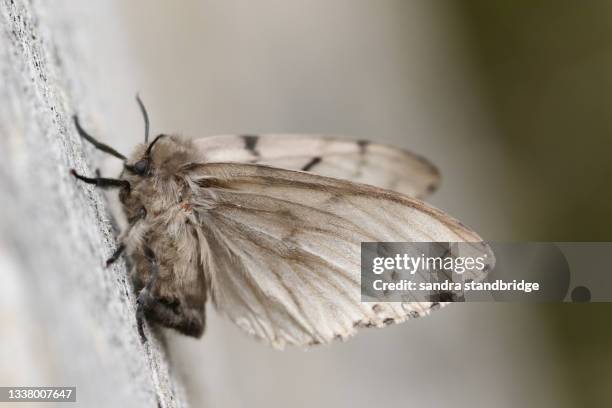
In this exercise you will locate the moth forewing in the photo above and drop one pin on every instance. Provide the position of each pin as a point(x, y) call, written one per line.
point(287, 249)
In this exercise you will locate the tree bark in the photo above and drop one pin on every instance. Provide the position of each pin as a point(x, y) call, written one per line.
point(65, 319)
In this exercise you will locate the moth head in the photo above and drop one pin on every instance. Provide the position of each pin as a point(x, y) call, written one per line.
point(141, 161)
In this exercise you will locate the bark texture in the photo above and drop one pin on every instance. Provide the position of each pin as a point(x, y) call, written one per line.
point(64, 318)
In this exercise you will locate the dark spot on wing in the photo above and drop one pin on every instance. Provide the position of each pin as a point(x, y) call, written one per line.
point(250, 143)
point(363, 145)
point(333, 199)
point(360, 323)
point(388, 321)
point(311, 163)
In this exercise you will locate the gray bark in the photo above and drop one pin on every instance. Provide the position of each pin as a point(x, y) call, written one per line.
point(64, 319)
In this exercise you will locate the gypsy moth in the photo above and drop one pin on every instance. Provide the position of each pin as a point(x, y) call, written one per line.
point(269, 227)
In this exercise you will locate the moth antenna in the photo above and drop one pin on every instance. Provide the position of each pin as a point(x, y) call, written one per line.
point(145, 115)
point(98, 145)
point(148, 153)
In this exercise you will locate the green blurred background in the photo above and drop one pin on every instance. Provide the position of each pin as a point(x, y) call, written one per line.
point(546, 67)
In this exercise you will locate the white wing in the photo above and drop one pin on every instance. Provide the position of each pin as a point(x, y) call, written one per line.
point(281, 249)
point(358, 161)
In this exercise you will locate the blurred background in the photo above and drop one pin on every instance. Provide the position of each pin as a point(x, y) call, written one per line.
point(509, 98)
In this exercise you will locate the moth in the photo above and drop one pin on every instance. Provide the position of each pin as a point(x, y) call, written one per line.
point(269, 228)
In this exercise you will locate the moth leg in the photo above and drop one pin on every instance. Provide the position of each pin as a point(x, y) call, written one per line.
point(115, 255)
point(100, 146)
point(145, 298)
point(101, 181)
point(142, 213)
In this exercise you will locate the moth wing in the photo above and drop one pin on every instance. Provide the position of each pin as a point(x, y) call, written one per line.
point(358, 161)
point(282, 249)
